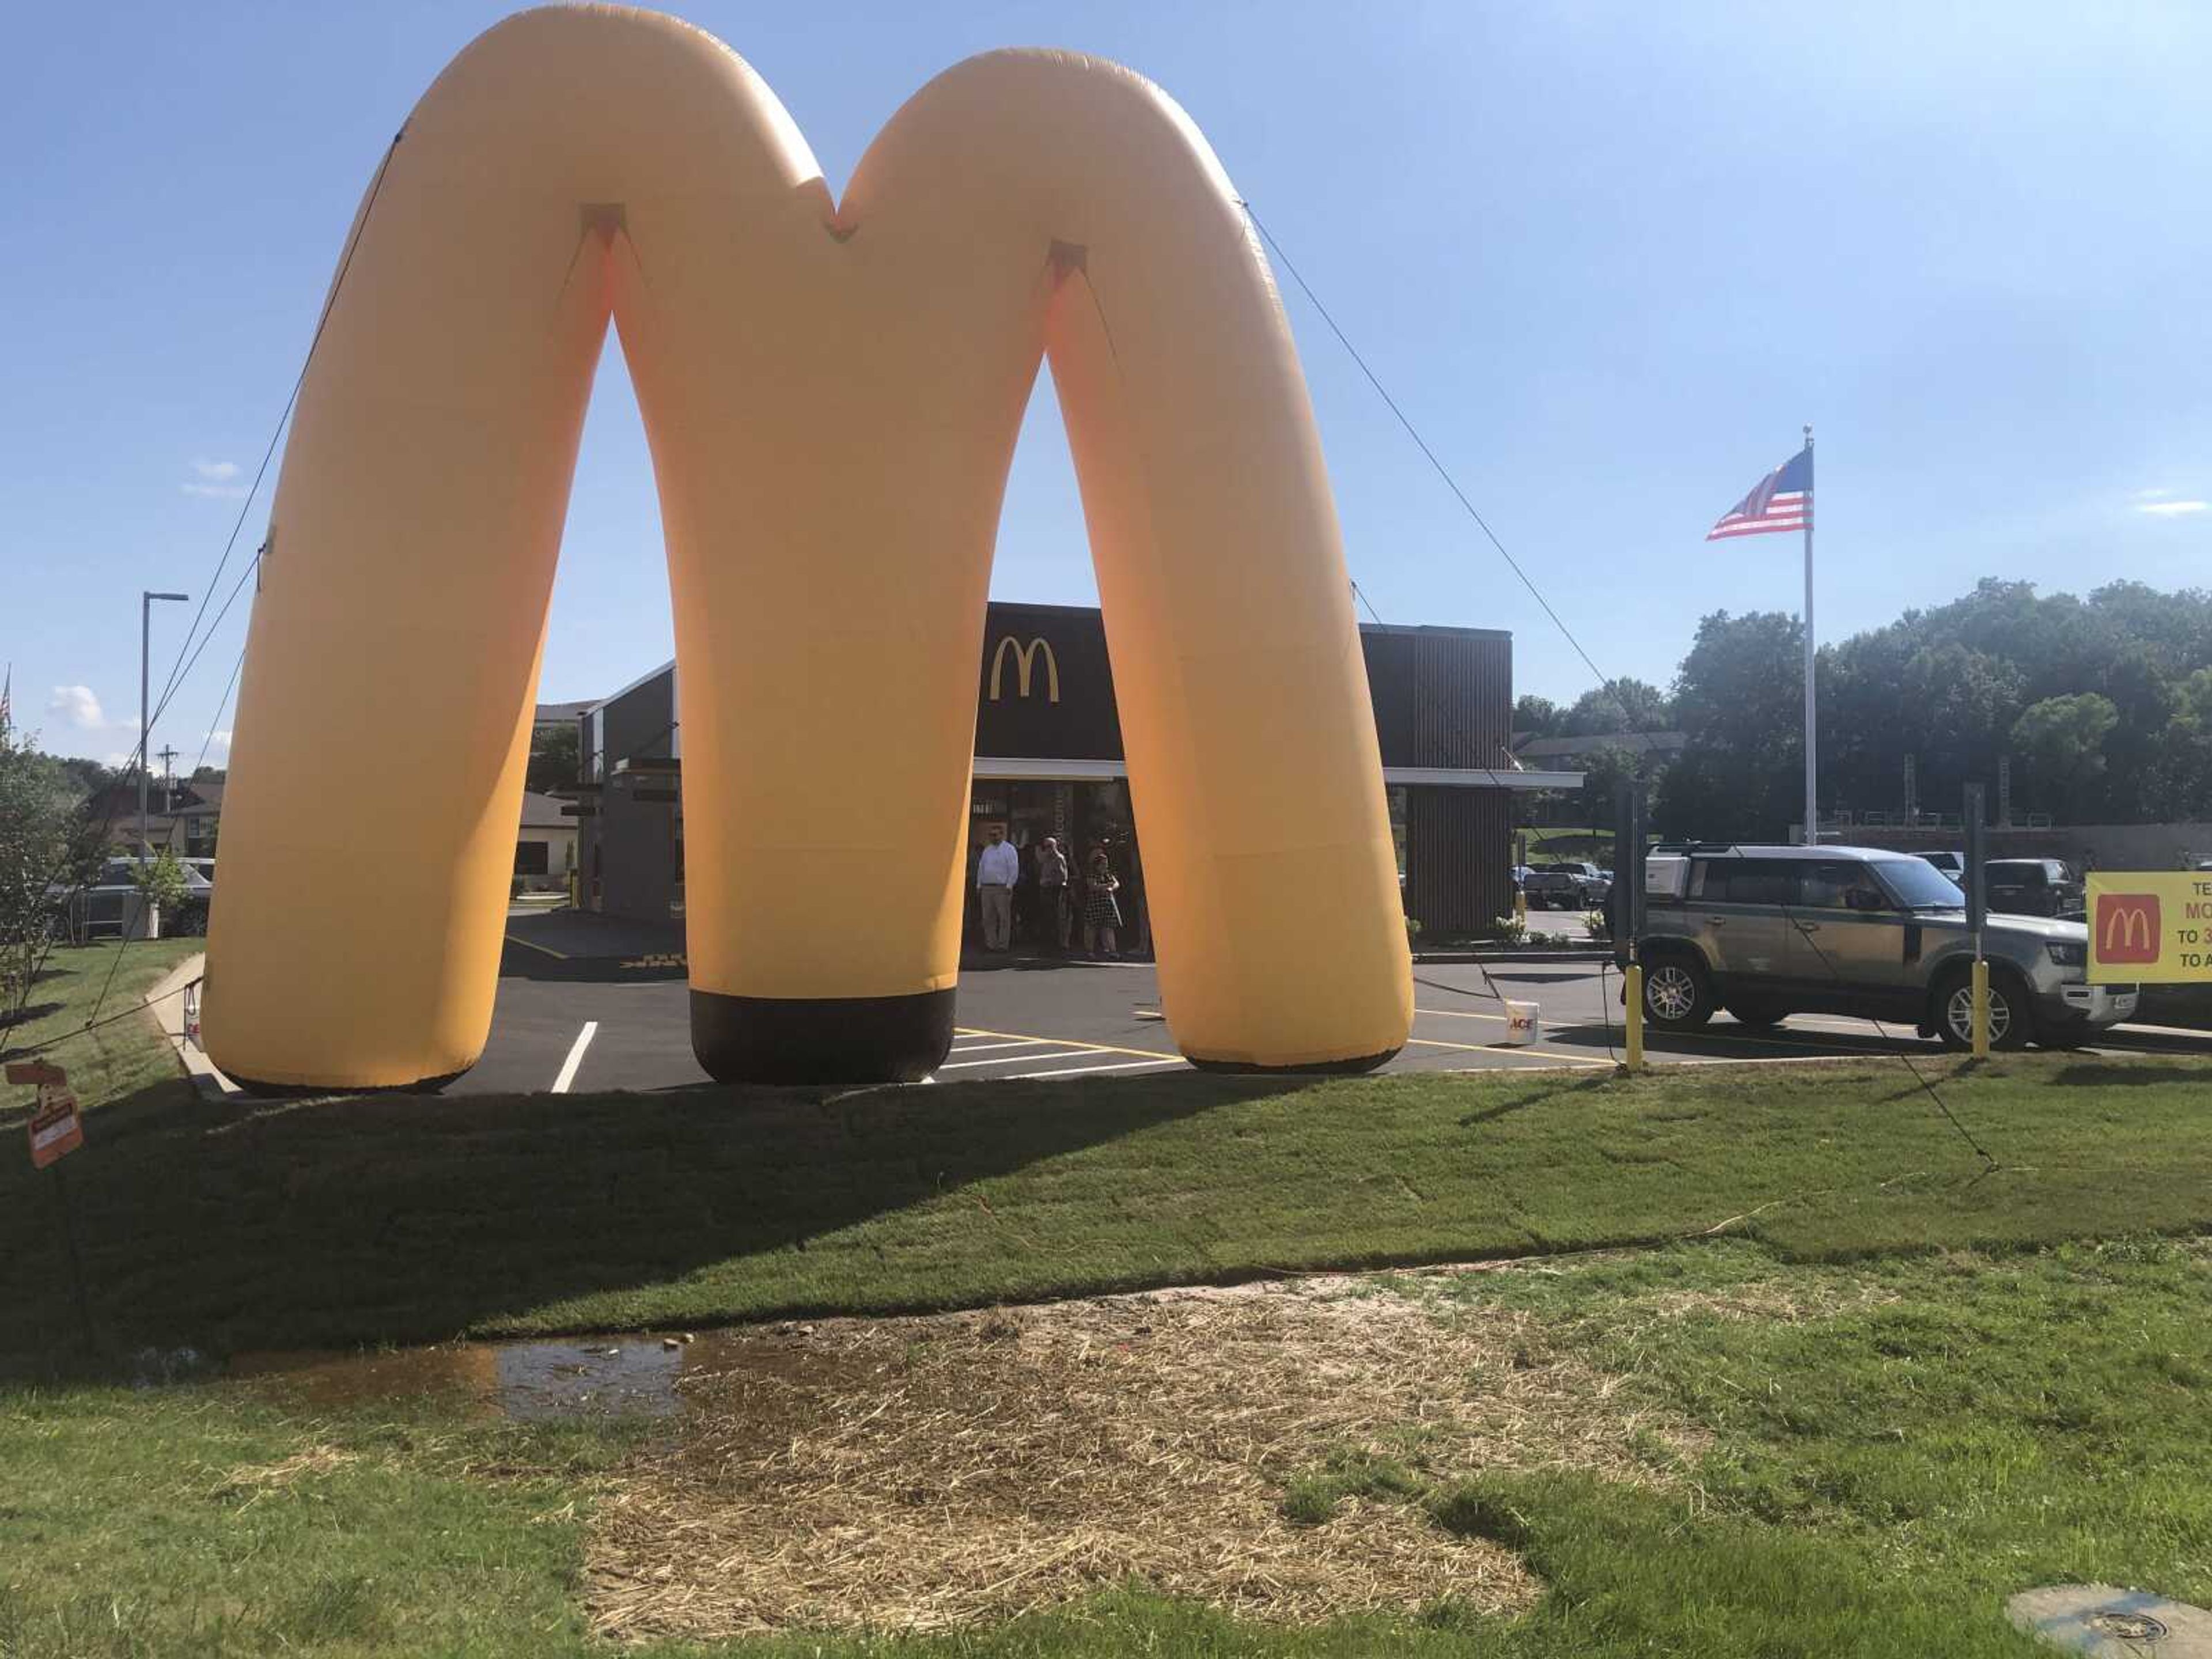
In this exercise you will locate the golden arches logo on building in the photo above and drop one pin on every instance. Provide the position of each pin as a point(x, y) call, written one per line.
point(1024, 659)
point(833, 388)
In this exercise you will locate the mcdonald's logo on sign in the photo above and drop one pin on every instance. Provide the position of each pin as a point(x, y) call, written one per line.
point(1026, 660)
point(2127, 928)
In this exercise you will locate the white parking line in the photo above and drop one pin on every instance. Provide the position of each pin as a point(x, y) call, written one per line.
point(575, 1057)
point(1086, 1071)
point(1010, 1059)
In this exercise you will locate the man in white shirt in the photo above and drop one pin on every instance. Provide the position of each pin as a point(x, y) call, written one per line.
point(996, 872)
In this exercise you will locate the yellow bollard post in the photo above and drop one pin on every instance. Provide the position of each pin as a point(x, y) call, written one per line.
point(1981, 1009)
point(1634, 974)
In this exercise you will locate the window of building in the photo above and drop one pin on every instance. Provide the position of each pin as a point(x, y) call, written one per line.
point(530, 858)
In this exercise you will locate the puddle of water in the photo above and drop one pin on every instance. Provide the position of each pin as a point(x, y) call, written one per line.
point(533, 1382)
point(528, 1380)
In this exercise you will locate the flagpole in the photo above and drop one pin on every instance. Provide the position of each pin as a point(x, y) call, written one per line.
point(1811, 752)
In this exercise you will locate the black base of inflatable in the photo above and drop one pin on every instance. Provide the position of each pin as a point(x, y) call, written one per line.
point(1319, 1068)
point(821, 1039)
point(260, 1091)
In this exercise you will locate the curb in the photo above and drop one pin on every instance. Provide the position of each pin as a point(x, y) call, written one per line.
point(1494, 958)
point(167, 1008)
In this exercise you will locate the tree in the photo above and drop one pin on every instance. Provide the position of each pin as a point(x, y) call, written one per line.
point(89, 777)
point(210, 773)
point(1602, 771)
point(1739, 700)
point(555, 757)
point(2061, 741)
point(38, 826)
point(1537, 716)
point(1627, 704)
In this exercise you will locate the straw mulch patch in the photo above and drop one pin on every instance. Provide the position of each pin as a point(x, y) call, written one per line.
point(914, 1474)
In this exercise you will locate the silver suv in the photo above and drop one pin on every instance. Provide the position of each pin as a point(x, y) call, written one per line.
point(1768, 932)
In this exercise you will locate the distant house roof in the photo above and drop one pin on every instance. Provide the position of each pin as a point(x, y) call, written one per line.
point(563, 713)
point(1664, 743)
point(544, 811)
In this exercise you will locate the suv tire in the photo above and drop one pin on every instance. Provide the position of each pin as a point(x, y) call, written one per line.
point(2011, 1023)
point(1750, 1012)
point(1677, 996)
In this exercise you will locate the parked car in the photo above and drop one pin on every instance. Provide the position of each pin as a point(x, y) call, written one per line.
point(1551, 890)
point(1952, 864)
point(2033, 887)
point(1768, 932)
point(1567, 884)
point(103, 907)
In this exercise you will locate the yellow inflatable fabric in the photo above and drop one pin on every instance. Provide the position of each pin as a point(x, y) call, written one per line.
point(832, 394)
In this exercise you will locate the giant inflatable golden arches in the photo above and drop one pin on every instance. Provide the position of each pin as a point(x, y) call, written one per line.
point(832, 394)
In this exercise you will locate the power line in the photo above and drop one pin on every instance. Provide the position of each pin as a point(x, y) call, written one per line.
point(268, 454)
point(1442, 471)
point(219, 708)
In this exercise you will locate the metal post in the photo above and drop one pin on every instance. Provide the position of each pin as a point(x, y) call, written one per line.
point(145, 735)
point(1977, 915)
point(1628, 908)
point(145, 652)
point(1812, 761)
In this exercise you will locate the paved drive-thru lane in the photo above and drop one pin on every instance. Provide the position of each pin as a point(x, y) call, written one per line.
point(1044, 1019)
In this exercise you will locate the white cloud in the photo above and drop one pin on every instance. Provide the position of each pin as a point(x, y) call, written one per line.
point(78, 706)
point(217, 480)
point(2172, 509)
point(218, 748)
point(2152, 495)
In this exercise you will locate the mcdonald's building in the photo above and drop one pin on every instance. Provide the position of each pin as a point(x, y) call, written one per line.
point(1049, 763)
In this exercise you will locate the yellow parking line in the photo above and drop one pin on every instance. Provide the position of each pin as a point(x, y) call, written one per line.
point(1067, 1043)
point(531, 944)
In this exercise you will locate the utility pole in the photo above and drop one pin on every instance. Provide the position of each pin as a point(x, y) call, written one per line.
point(146, 598)
point(169, 779)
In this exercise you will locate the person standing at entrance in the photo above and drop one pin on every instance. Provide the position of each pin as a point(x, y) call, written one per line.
point(1052, 887)
point(1101, 915)
point(996, 872)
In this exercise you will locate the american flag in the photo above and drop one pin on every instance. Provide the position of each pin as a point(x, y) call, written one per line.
point(1783, 500)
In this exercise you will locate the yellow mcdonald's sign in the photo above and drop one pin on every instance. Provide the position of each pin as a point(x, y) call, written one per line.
point(833, 386)
point(2149, 926)
point(1025, 656)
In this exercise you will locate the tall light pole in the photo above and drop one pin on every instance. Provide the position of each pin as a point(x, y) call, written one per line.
point(146, 737)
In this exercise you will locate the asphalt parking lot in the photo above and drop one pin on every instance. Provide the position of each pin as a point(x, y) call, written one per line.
point(585, 1003)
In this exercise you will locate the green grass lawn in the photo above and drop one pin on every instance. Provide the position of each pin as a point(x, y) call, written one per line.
point(114, 1059)
point(261, 1225)
point(1929, 1434)
point(1983, 1379)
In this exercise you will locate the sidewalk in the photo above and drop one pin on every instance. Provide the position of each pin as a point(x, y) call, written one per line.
point(166, 1002)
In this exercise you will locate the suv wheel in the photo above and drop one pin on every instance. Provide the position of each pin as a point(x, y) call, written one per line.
point(1676, 997)
point(2010, 1024)
point(1747, 1012)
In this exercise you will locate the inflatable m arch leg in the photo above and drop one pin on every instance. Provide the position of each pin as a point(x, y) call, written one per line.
point(832, 396)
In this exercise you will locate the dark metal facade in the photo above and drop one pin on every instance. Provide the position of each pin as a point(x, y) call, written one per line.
point(1442, 699)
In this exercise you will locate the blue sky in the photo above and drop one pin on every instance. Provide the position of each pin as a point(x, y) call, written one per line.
point(1607, 258)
